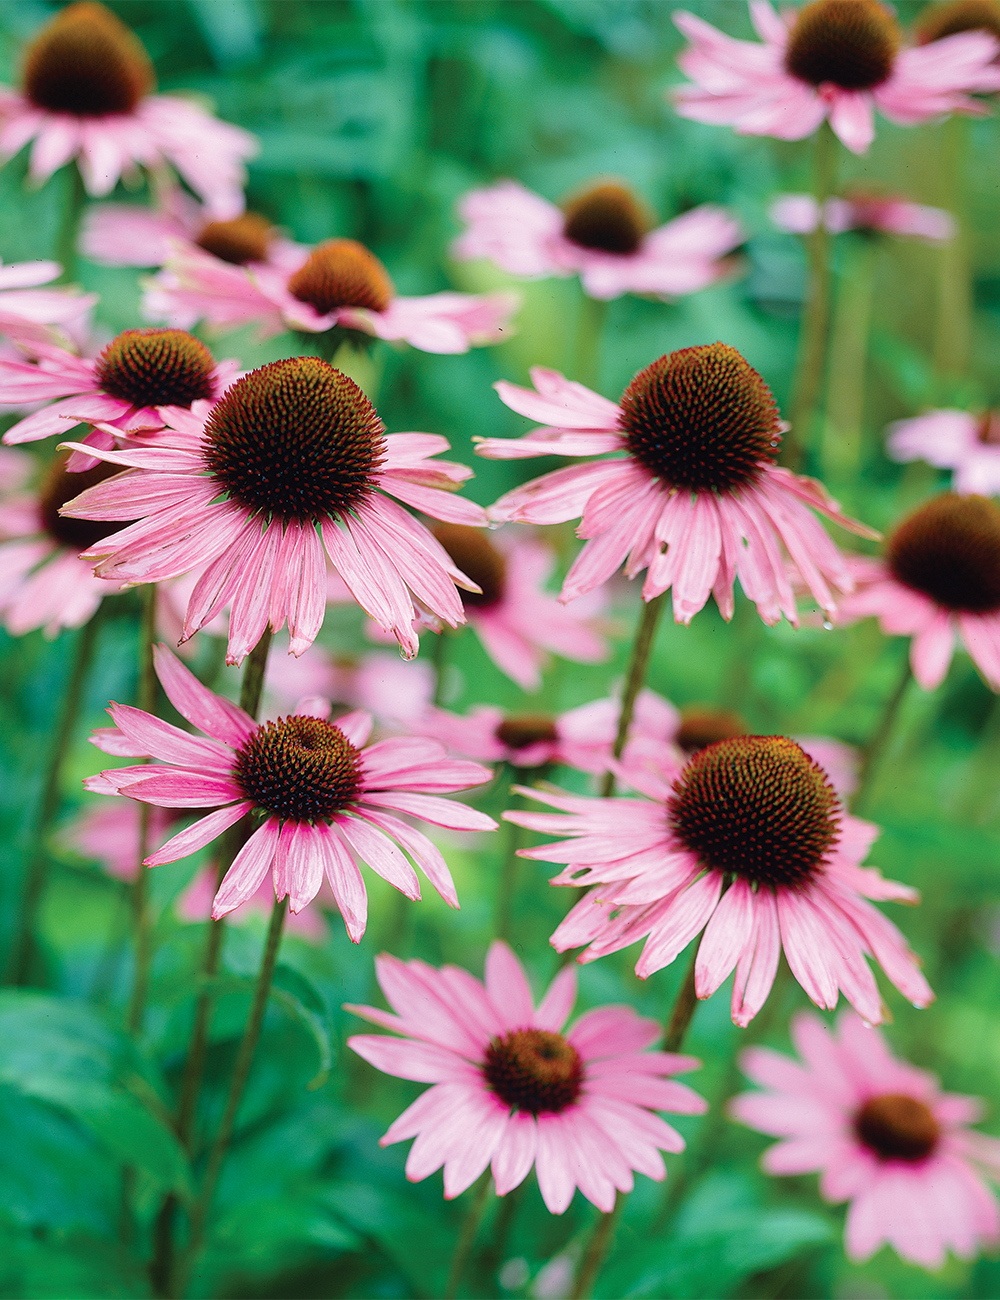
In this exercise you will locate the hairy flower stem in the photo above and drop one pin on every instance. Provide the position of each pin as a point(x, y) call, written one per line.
point(69, 226)
point(142, 917)
point(845, 389)
point(875, 748)
point(645, 634)
point(507, 884)
point(22, 952)
point(682, 1012)
point(593, 314)
point(816, 317)
point(467, 1236)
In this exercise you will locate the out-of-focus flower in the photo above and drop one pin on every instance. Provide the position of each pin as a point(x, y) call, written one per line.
point(86, 94)
point(831, 59)
point(396, 693)
point(291, 452)
point(947, 17)
point(337, 283)
point(750, 842)
point(939, 580)
point(512, 1090)
point(324, 798)
point(696, 499)
point(515, 618)
point(799, 214)
point(603, 234)
point(881, 1134)
point(30, 316)
point(955, 440)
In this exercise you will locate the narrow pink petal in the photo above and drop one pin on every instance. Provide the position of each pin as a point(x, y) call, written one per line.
point(429, 808)
point(507, 986)
point(299, 861)
point(380, 853)
point(728, 931)
point(688, 913)
point(249, 869)
point(175, 788)
point(423, 851)
point(554, 1009)
point(515, 1152)
point(553, 1165)
point(758, 962)
point(164, 741)
point(204, 709)
point(346, 882)
point(198, 834)
point(931, 650)
point(407, 1059)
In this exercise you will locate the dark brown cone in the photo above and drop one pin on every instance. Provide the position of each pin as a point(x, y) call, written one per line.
point(87, 62)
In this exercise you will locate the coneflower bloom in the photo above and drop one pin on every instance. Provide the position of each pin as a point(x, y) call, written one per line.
point(831, 59)
point(43, 582)
point(947, 17)
point(337, 283)
point(86, 94)
point(870, 213)
point(967, 444)
point(512, 1090)
point(517, 621)
point(322, 798)
point(882, 1135)
point(292, 459)
point(749, 842)
point(396, 693)
point(30, 315)
point(693, 495)
point(604, 234)
point(939, 581)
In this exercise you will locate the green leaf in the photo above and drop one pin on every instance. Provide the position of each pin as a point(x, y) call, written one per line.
point(293, 990)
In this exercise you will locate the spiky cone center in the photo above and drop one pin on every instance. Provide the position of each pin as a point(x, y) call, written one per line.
point(244, 239)
point(342, 273)
point(953, 16)
point(477, 557)
point(607, 217)
point(988, 429)
point(849, 43)
point(897, 1127)
point(88, 63)
point(295, 439)
point(58, 487)
point(523, 729)
point(154, 367)
point(949, 550)
point(756, 807)
point(702, 419)
point(533, 1070)
point(300, 769)
point(701, 726)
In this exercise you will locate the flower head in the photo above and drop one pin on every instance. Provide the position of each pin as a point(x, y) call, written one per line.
point(292, 453)
point(603, 233)
point(968, 444)
point(30, 316)
point(829, 59)
point(339, 283)
point(693, 497)
point(948, 17)
point(322, 798)
point(867, 212)
point(87, 94)
point(940, 578)
point(512, 1088)
point(882, 1135)
point(749, 841)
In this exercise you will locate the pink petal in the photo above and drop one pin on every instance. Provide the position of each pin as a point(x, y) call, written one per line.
point(249, 868)
point(198, 834)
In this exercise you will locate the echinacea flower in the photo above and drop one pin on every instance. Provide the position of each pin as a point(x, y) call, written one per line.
point(882, 1135)
point(947, 17)
point(957, 440)
point(337, 284)
point(293, 458)
point(693, 494)
point(394, 692)
point(322, 798)
point(869, 213)
point(86, 94)
point(747, 841)
point(512, 1090)
point(603, 234)
point(517, 621)
point(30, 315)
point(939, 581)
point(831, 59)
point(43, 582)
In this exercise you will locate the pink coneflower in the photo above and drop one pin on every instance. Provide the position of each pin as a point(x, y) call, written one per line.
point(337, 283)
point(140, 379)
point(939, 580)
point(511, 1090)
point(956, 440)
point(748, 841)
point(86, 95)
point(832, 59)
point(870, 213)
point(43, 582)
point(30, 315)
point(515, 618)
point(604, 234)
point(322, 799)
point(945, 18)
point(882, 1135)
point(292, 453)
point(396, 693)
point(696, 498)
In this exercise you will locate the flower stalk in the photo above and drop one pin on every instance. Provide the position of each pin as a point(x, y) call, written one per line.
point(876, 746)
point(142, 918)
point(642, 646)
point(467, 1236)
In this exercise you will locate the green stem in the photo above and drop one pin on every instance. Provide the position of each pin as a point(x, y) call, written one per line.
point(816, 317)
point(845, 393)
point(682, 1012)
point(953, 325)
point(876, 746)
point(507, 881)
point(440, 662)
point(596, 1251)
point(37, 873)
point(142, 915)
point(593, 314)
point(493, 1253)
point(467, 1237)
point(69, 226)
point(645, 634)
